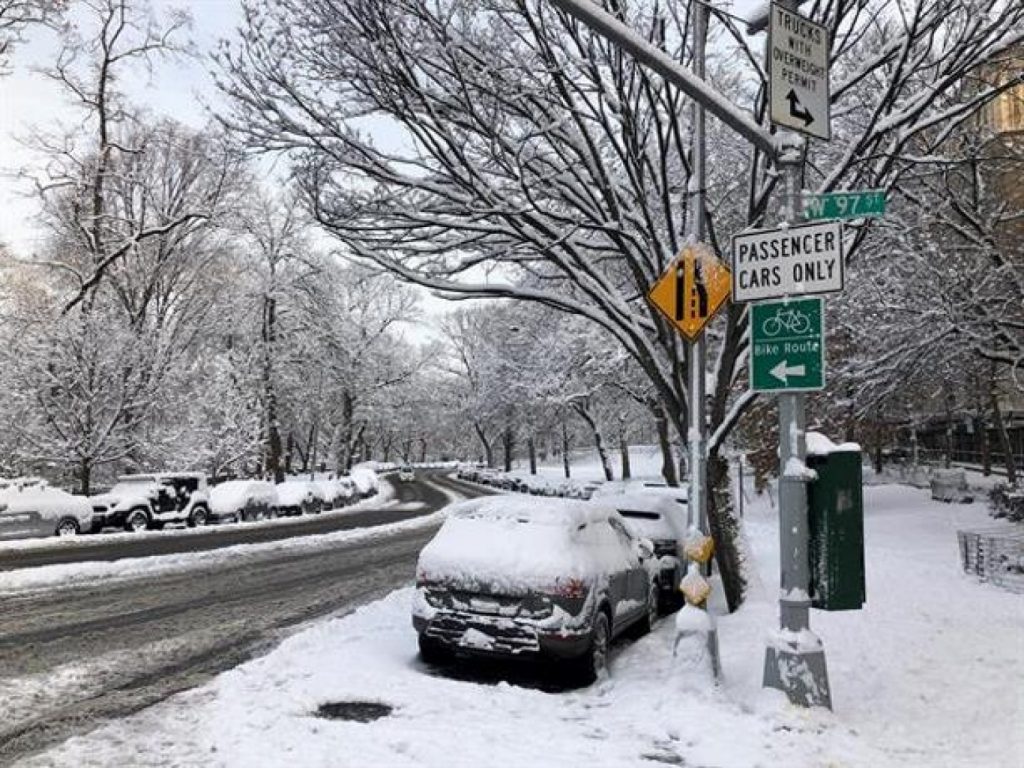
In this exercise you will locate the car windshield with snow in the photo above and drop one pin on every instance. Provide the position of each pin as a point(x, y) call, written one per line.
point(525, 577)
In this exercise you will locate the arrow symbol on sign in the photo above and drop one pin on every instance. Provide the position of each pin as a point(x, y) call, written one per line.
point(782, 372)
point(797, 110)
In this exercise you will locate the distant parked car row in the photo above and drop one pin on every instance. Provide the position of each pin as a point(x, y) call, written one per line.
point(29, 507)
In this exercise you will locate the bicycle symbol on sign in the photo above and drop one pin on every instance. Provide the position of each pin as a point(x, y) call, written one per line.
point(792, 320)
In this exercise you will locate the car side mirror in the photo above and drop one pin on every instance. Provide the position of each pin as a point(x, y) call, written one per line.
point(644, 549)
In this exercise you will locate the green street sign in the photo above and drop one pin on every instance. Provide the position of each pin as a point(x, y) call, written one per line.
point(787, 346)
point(845, 205)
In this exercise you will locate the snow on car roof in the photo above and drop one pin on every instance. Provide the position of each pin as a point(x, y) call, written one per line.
point(517, 543)
point(48, 502)
point(531, 509)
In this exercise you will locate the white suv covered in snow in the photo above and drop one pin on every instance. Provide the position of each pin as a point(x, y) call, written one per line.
point(138, 502)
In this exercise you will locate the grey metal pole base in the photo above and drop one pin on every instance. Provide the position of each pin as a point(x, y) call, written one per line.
point(799, 672)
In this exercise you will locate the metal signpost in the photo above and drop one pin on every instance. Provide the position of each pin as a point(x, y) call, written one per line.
point(793, 261)
point(798, 63)
point(787, 346)
point(845, 205)
point(798, 72)
point(794, 660)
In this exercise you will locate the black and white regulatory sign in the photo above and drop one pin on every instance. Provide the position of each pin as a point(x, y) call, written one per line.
point(790, 261)
point(798, 52)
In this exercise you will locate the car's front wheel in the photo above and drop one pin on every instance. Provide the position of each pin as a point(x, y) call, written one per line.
point(137, 521)
point(67, 526)
point(432, 651)
point(198, 518)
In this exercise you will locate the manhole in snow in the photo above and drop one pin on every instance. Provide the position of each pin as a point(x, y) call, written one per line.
point(355, 711)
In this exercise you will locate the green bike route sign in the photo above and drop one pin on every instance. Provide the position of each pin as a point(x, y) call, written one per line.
point(845, 205)
point(787, 346)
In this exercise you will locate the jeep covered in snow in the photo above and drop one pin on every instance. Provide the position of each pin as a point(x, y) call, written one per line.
point(138, 502)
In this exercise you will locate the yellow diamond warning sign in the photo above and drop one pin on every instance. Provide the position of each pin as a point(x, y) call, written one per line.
point(692, 290)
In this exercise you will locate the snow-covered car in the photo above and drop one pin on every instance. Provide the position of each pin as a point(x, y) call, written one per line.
point(406, 474)
point(660, 518)
point(365, 480)
point(37, 510)
point(138, 502)
point(242, 500)
point(335, 492)
point(518, 576)
point(298, 497)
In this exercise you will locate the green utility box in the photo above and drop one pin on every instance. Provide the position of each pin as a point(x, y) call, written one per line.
point(835, 509)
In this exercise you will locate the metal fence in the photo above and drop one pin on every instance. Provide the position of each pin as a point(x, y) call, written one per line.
point(995, 555)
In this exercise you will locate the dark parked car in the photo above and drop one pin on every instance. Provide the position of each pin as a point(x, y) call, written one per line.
point(518, 576)
point(660, 516)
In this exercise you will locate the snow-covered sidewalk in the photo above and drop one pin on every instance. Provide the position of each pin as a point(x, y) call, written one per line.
point(930, 673)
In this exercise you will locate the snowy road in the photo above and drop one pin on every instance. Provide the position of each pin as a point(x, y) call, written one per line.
point(76, 656)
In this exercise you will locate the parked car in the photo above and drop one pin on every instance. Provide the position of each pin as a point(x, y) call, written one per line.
point(347, 488)
point(515, 576)
point(298, 497)
point(366, 481)
point(332, 493)
point(138, 502)
point(34, 509)
point(660, 518)
point(242, 500)
point(406, 474)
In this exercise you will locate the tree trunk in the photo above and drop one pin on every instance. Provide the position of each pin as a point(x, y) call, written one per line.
point(272, 433)
point(85, 477)
point(508, 444)
point(565, 449)
point(488, 448)
point(309, 459)
point(289, 447)
point(423, 450)
point(725, 531)
point(986, 448)
point(1004, 437)
point(602, 451)
point(532, 448)
point(948, 460)
point(668, 465)
point(624, 451)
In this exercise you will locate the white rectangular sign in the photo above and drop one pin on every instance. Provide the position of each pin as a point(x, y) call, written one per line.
point(798, 72)
point(795, 261)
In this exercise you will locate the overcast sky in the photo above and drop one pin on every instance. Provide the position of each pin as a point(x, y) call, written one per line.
point(178, 88)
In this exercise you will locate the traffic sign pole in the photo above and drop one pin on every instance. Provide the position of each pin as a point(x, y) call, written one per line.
point(794, 660)
point(698, 430)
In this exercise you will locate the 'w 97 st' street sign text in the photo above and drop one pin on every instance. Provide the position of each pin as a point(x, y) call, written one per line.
point(795, 261)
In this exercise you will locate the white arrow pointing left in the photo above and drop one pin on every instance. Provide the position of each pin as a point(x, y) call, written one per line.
point(782, 371)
